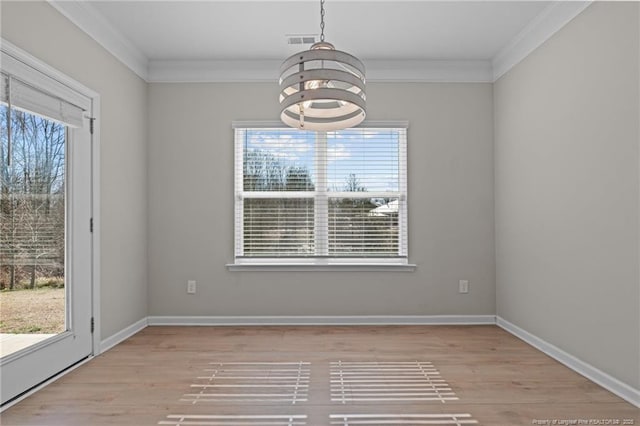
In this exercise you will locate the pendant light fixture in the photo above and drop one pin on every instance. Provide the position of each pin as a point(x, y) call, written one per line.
point(322, 88)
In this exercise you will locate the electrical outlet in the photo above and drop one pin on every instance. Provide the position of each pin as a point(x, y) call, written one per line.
point(463, 286)
point(191, 287)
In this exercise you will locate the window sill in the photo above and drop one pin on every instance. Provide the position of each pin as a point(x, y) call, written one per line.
point(313, 267)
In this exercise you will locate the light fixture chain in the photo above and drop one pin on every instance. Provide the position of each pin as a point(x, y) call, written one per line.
point(321, 20)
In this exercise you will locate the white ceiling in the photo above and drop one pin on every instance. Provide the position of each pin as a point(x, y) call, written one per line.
point(190, 30)
point(165, 40)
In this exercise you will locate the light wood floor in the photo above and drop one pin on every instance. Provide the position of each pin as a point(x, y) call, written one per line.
point(494, 379)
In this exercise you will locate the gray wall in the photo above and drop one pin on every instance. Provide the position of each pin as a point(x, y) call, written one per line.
point(567, 187)
point(43, 32)
point(450, 142)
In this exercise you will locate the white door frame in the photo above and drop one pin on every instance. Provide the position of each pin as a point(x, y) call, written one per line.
point(36, 70)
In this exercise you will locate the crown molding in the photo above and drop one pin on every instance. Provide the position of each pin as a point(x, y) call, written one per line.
point(213, 71)
point(89, 20)
point(429, 71)
point(233, 71)
point(540, 29)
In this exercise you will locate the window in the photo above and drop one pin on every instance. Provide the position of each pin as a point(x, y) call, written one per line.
point(317, 198)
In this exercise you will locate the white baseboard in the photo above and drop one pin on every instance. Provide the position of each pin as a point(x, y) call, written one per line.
point(122, 335)
point(592, 373)
point(325, 320)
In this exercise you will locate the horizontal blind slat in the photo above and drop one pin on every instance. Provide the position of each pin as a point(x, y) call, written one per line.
point(364, 208)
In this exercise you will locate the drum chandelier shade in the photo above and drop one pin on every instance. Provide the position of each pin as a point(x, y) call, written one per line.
point(322, 88)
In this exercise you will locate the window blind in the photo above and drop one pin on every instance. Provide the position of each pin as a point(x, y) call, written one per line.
point(29, 99)
point(340, 194)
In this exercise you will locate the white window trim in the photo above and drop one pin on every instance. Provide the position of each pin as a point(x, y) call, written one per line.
point(319, 267)
point(320, 263)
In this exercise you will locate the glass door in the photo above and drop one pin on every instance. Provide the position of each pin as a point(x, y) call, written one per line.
point(45, 236)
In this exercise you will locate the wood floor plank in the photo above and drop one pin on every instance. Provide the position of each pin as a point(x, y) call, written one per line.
point(496, 378)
